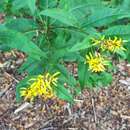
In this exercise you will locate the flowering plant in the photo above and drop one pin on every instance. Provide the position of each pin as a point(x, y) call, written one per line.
point(88, 33)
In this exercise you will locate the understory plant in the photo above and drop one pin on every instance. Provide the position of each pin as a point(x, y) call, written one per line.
point(55, 33)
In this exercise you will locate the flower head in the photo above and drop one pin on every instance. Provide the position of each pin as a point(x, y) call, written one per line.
point(112, 45)
point(42, 86)
point(96, 62)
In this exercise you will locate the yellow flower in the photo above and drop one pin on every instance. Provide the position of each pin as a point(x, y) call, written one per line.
point(113, 45)
point(96, 62)
point(42, 86)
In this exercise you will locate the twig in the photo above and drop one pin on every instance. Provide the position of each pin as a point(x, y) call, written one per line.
point(94, 111)
point(67, 107)
point(2, 93)
point(7, 75)
point(22, 107)
point(46, 123)
point(72, 117)
point(68, 120)
point(77, 100)
point(121, 116)
point(72, 128)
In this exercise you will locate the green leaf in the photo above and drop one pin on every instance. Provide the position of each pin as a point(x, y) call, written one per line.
point(82, 9)
point(104, 16)
point(17, 40)
point(63, 93)
point(106, 78)
point(71, 57)
point(125, 4)
point(89, 79)
point(2, 6)
point(82, 45)
point(31, 67)
point(119, 30)
point(21, 25)
point(18, 4)
point(122, 53)
point(66, 75)
point(100, 79)
point(32, 5)
point(60, 15)
point(83, 74)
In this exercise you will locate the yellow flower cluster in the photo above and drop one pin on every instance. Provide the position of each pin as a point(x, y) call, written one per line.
point(96, 62)
point(42, 86)
point(112, 45)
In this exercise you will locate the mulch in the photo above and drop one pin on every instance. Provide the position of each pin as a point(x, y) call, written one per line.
point(106, 108)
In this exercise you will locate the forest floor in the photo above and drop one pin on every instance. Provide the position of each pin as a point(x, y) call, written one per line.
point(105, 109)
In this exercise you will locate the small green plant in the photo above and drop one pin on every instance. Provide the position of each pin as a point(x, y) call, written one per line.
point(89, 33)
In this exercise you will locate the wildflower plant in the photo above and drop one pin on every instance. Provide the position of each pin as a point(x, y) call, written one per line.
point(51, 33)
